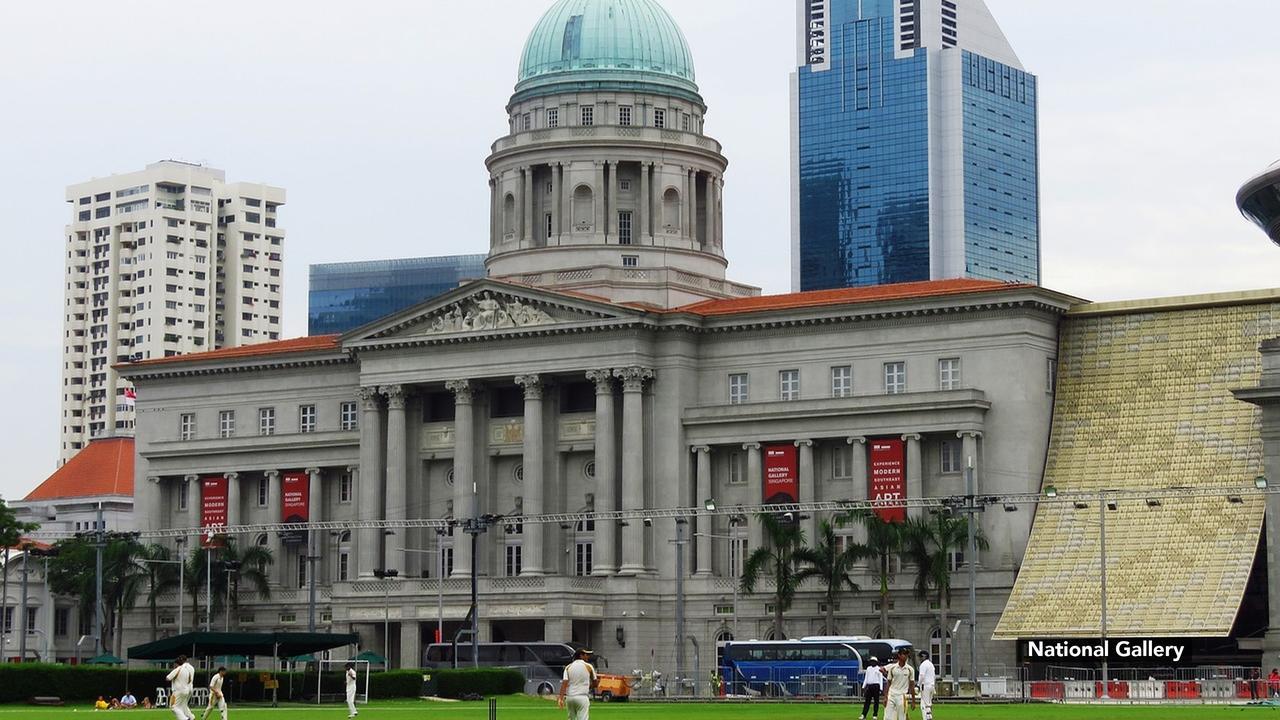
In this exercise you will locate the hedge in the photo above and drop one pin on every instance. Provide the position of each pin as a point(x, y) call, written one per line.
point(451, 683)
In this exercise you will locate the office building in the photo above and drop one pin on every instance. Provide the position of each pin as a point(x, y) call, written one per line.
point(915, 146)
point(344, 296)
point(168, 260)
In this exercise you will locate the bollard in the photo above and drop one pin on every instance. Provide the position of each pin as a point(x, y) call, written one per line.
point(493, 708)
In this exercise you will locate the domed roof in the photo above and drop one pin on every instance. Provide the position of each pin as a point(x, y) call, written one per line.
point(607, 41)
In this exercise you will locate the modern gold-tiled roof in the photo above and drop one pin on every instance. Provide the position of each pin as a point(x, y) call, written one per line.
point(1144, 401)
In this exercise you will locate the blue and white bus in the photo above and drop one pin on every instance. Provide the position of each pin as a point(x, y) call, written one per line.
point(812, 666)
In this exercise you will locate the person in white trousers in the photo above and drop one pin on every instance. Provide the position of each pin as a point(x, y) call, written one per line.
point(901, 679)
point(351, 690)
point(928, 683)
point(217, 701)
point(577, 685)
point(181, 681)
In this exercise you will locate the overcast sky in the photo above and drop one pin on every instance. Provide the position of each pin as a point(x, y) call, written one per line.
point(377, 117)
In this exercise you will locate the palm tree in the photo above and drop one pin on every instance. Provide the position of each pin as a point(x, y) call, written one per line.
point(162, 577)
point(778, 558)
point(884, 540)
point(252, 563)
point(73, 572)
point(832, 565)
point(930, 543)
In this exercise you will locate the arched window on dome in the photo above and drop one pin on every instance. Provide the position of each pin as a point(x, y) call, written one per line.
point(583, 208)
point(509, 218)
point(671, 210)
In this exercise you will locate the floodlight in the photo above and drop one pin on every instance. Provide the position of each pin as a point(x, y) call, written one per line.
point(1260, 482)
point(1051, 491)
point(710, 504)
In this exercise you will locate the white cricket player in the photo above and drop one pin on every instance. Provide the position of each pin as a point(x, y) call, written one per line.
point(351, 690)
point(901, 679)
point(217, 701)
point(182, 680)
point(579, 682)
point(928, 683)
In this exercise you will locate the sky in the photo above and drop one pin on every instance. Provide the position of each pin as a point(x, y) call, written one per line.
point(377, 116)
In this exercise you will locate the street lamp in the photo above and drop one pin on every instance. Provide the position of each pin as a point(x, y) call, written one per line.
point(229, 566)
point(388, 575)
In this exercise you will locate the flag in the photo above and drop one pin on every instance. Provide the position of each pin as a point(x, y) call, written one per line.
point(130, 397)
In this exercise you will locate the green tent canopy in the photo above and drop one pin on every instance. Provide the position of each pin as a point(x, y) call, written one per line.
point(104, 660)
point(371, 657)
point(277, 645)
point(303, 658)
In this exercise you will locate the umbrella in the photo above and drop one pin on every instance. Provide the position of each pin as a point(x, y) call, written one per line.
point(371, 657)
point(104, 660)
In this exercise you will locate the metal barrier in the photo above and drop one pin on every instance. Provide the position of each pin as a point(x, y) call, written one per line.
point(1146, 690)
point(1079, 690)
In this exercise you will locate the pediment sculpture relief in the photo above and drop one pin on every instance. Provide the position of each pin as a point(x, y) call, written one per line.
point(487, 312)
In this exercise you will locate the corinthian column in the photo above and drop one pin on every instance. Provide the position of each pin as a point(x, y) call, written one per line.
point(646, 205)
point(709, 236)
point(755, 495)
point(598, 196)
point(233, 499)
point(808, 488)
point(464, 498)
point(703, 545)
point(529, 201)
point(693, 206)
point(633, 380)
point(533, 461)
point(369, 491)
point(275, 501)
point(316, 505)
point(397, 476)
point(915, 473)
point(604, 546)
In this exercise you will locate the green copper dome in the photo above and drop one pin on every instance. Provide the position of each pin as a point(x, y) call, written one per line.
point(608, 43)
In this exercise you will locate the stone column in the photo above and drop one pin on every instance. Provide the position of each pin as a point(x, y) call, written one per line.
point(233, 499)
point(369, 490)
point(709, 237)
point(495, 233)
point(315, 538)
point(861, 488)
point(275, 502)
point(693, 206)
point(397, 477)
point(598, 196)
point(915, 470)
point(464, 498)
point(410, 638)
point(566, 205)
point(192, 488)
point(969, 457)
point(604, 547)
point(686, 223)
point(553, 203)
point(633, 481)
point(530, 200)
point(533, 552)
point(646, 204)
point(808, 492)
point(755, 495)
point(611, 209)
point(719, 212)
point(705, 524)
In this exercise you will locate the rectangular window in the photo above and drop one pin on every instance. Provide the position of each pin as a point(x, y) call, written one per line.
point(184, 492)
point(302, 570)
point(949, 374)
point(624, 114)
point(949, 451)
point(344, 488)
point(1051, 376)
point(447, 561)
point(895, 378)
point(512, 566)
point(527, 122)
point(61, 621)
point(659, 118)
point(227, 423)
point(737, 555)
point(582, 565)
point(737, 475)
point(187, 426)
point(738, 391)
point(685, 123)
point(31, 619)
point(630, 261)
point(789, 385)
point(548, 227)
point(842, 381)
point(266, 421)
point(349, 418)
point(841, 462)
point(624, 227)
point(553, 117)
point(344, 566)
point(307, 419)
point(264, 491)
point(588, 115)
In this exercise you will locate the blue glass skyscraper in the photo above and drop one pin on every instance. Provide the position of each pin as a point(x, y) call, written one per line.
point(345, 296)
point(915, 146)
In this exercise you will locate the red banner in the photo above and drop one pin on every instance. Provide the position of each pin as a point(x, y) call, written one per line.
point(213, 510)
point(781, 475)
point(888, 479)
point(296, 507)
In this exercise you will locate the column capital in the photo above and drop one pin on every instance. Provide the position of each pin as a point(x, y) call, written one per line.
point(975, 434)
point(634, 377)
point(463, 391)
point(232, 476)
point(603, 380)
point(857, 440)
point(700, 449)
point(532, 385)
point(154, 479)
point(912, 436)
point(272, 474)
point(312, 471)
point(191, 478)
point(395, 396)
point(804, 443)
point(353, 469)
point(751, 446)
point(368, 397)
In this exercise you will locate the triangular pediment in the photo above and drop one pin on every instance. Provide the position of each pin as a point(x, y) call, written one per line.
point(490, 307)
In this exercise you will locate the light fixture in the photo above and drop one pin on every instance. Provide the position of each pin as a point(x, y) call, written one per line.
point(1010, 507)
point(1111, 505)
point(1051, 491)
point(1154, 502)
point(648, 522)
point(1260, 482)
point(1081, 505)
point(710, 504)
point(1235, 499)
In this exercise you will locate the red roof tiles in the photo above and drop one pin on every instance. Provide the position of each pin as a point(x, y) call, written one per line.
point(105, 467)
point(845, 296)
point(315, 343)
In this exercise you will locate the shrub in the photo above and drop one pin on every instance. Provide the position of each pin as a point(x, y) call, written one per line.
point(452, 683)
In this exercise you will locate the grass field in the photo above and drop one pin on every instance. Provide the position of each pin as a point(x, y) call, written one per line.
point(522, 708)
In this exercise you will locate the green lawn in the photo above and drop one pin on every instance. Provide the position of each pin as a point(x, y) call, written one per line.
point(522, 708)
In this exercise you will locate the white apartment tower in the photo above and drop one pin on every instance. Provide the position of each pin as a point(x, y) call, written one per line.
point(161, 262)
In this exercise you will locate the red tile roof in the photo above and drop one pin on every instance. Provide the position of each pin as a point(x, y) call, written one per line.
point(315, 343)
point(845, 296)
point(105, 467)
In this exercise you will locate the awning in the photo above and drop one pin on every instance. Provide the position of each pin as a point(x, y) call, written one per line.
point(281, 645)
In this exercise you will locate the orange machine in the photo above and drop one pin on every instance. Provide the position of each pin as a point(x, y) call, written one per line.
point(613, 687)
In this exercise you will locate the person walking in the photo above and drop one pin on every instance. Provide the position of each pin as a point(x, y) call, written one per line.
point(351, 690)
point(928, 683)
point(182, 680)
point(901, 679)
point(216, 699)
point(1273, 683)
point(577, 685)
point(872, 686)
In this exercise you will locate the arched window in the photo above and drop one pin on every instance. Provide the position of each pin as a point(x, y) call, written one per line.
point(725, 635)
point(671, 209)
point(941, 659)
point(583, 208)
point(343, 571)
point(509, 218)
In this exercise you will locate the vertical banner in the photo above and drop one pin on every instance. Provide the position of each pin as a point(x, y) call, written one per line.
point(781, 475)
point(296, 507)
point(817, 35)
point(888, 478)
point(213, 511)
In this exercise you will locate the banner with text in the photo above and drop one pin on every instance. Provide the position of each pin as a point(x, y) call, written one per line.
point(213, 511)
point(296, 505)
point(888, 478)
point(817, 35)
point(781, 475)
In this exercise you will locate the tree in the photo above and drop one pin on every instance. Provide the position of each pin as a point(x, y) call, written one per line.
point(884, 540)
point(74, 572)
point(930, 543)
point(833, 565)
point(778, 559)
point(162, 577)
point(11, 532)
point(252, 563)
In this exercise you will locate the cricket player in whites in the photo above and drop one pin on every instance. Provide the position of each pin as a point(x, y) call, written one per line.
point(928, 683)
point(579, 682)
point(182, 680)
point(217, 700)
point(901, 679)
point(350, 678)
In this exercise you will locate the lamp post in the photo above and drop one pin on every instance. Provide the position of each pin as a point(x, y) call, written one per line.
point(230, 566)
point(474, 527)
point(680, 542)
point(387, 576)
